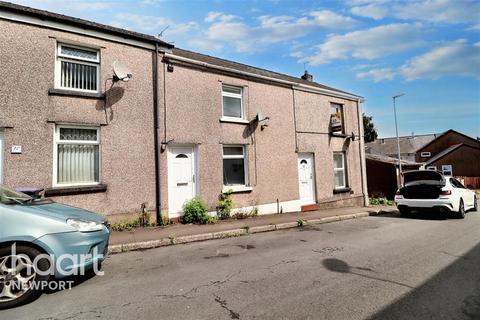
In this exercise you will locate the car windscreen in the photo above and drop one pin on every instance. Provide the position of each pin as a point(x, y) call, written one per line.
point(423, 177)
point(8, 196)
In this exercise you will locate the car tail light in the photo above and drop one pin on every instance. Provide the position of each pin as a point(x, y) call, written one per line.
point(446, 193)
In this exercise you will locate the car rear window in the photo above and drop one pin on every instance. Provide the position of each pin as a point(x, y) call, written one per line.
point(422, 175)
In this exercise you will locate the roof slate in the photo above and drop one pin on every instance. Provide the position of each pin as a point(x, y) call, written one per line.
point(247, 68)
point(408, 144)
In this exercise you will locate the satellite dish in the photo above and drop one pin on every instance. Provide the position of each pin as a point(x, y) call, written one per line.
point(121, 71)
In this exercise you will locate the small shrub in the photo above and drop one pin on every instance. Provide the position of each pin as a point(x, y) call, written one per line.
point(300, 223)
point(225, 205)
point(195, 211)
point(381, 202)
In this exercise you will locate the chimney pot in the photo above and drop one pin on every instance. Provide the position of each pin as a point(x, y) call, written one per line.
point(307, 76)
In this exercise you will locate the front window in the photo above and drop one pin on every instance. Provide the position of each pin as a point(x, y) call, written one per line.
point(77, 68)
point(234, 166)
point(447, 170)
point(77, 155)
point(339, 170)
point(336, 118)
point(232, 102)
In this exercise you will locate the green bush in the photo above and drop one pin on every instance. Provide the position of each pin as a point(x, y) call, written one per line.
point(225, 205)
point(381, 202)
point(195, 211)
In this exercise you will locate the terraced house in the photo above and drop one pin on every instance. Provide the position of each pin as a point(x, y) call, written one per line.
point(184, 125)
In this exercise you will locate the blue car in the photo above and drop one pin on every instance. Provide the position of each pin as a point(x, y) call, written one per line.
point(40, 240)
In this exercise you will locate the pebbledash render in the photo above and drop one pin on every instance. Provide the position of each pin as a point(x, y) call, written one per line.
point(184, 125)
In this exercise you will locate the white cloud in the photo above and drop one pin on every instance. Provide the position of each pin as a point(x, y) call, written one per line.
point(329, 19)
point(142, 22)
point(297, 54)
point(377, 75)
point(368, 44)
point(231, 30)
point(153, 25)
point(437, 11)
point(455, 58)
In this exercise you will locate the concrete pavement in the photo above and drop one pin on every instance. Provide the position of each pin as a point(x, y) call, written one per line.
point(379, 267)
point(146, 238)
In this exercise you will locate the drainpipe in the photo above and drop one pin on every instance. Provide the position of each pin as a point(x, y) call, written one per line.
point(158, 213)
point(362, 154)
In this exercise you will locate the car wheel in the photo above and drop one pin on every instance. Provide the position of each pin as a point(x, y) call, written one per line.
point(20, 280)
point(404, 212)
point(461, 210)
point(475, 204)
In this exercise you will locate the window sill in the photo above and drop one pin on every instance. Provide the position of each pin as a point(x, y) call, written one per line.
point(67, 191)
point(233, 120)
point(342, 190)
point(73, 93)
point(236, 189)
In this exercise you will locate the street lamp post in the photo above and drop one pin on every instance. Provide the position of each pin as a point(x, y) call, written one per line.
point(398, 140)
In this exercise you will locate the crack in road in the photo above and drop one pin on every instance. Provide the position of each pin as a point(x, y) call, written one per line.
point(224, 305)
point(189, 294)
point(269, 268)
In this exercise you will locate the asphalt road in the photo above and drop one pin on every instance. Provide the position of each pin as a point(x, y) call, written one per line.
point(372, 268)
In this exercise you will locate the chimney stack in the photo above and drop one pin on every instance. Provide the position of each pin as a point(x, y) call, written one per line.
point(307, 76)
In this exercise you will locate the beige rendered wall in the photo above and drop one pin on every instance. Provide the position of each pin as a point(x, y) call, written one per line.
point(193, 110)
point(313, 116)
point(27, 57)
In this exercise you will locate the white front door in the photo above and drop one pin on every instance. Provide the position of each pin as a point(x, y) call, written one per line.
point(181, 177)
point(2, 147)
point(306, 178)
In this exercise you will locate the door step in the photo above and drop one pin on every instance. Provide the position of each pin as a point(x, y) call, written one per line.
point(310, 207)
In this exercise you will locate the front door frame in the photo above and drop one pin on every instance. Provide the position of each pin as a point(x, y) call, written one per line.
point(170, 182)
point(310, 155)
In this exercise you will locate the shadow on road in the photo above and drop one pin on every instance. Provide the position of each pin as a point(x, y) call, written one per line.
point(55, 284)
point(420, 215)
point(452, 293)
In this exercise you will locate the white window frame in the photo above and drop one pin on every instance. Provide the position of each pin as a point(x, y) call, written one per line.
point(59, 57)
point(245, 165)
point(447, 167)
point(57, 141)
point(425, 154)
point(343, 169)
point(233, 95)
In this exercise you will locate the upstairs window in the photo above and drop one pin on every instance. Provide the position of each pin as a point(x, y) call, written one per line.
point(232, 99)
point(234, 166)
point(336, 118)
point(425, 154)
point(77, 68)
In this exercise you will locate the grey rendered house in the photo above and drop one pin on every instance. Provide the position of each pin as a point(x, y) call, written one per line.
point(185, 125)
